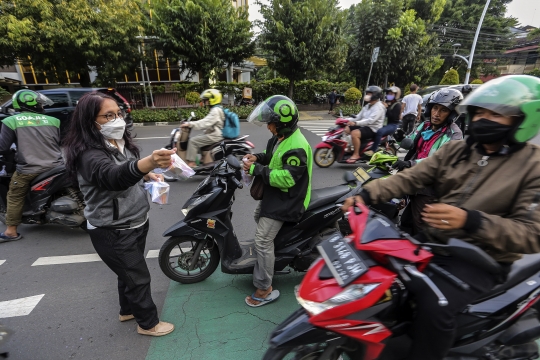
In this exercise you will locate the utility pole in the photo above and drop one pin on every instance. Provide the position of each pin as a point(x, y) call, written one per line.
point(149, 87)
point(469, 66)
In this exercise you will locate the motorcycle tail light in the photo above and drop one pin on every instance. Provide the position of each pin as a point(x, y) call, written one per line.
point(250, 144)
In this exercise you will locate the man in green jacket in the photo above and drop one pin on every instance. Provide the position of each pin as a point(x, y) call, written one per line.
point(285, 169)
point(487, 190)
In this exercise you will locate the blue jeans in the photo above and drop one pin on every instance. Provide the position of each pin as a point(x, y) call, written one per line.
point(384, 131)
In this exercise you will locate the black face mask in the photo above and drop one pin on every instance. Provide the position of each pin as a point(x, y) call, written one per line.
point(489, 132)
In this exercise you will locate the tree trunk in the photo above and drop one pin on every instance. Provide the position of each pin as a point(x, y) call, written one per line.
point(206, 82)
point(85, 79)
point(291, 89)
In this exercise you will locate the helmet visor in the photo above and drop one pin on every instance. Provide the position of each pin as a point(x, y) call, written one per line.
point(44, 101)
point(262, 114)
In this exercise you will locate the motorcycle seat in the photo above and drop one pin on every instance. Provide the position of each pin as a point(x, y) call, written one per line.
point(320, 197)
point(522, 269)
point(48, 173)
point(226, 141)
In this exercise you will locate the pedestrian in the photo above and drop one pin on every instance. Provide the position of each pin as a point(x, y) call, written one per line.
point(332, 98)
point(103, 156)
point(411, 109)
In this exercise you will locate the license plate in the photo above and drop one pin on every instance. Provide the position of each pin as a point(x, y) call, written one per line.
point(324, 138)
point(361, 174)
point(342, 260)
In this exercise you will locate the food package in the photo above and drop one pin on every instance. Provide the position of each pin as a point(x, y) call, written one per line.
point(159, 191)
point(247, 179)
point(178, 169)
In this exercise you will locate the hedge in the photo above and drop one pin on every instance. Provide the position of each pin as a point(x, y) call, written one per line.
point(348, 110)
point(171, 115)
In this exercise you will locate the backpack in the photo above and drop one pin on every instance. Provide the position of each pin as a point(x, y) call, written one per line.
point(231, 126)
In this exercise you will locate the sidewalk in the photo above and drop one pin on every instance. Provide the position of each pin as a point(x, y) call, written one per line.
point(315, 115)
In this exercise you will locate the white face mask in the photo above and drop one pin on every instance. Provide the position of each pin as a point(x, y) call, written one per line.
point(367, 98)
point(113, 130)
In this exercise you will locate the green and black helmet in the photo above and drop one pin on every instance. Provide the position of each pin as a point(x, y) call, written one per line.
point(513, 95)
point(28, 100)
point(276, 109)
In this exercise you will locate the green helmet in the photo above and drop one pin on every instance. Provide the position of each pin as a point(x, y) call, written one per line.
point(276, 109)
point(512, 95)
point(28, 100)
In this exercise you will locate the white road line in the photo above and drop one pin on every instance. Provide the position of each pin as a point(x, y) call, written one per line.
point(19, 307)
point(69, 259)
point(148, 138)
point(2, 261)
point(152, 254)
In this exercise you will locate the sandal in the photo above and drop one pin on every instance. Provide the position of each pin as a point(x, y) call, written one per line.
point(5, 238)
point(352, 161)
point(274, 294)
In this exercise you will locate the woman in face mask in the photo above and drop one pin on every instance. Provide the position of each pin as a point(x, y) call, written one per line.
point(103, 156)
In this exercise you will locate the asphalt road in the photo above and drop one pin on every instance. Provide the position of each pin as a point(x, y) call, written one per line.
point(77, 315)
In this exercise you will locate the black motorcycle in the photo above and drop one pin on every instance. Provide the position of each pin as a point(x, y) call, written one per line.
point(54, 197)
point(206, 235)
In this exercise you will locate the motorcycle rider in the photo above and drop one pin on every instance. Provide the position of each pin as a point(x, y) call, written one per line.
point(212, 124)
point(393, 112)
point(37, 137)
point(370, 120)
point(487, 188)
point(285, 168)
point(427, 139)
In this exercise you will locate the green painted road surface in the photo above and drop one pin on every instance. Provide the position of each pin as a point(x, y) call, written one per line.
point(213, 322)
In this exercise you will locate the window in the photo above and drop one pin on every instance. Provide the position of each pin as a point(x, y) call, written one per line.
point(60, 100)
point(531, 57)
point(76, 96)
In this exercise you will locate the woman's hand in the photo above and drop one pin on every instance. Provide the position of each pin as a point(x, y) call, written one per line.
point(444, 217)
point(158, 159)
point(153, 177)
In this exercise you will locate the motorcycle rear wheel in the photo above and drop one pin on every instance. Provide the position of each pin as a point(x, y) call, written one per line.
point(176, 256)
point(324, 157)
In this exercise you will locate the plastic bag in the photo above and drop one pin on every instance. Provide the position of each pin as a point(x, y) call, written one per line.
point(247, 179)
point(178, 169)
point(159, 191)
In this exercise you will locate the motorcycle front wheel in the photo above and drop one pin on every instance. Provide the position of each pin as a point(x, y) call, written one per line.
point(178, 254)
point(324, 157)
point(312, 352)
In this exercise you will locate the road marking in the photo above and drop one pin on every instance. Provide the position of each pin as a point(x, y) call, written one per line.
point(149, 138)
point(2, 261)
point(152, 254)
point(69, 259)
point(19, 307)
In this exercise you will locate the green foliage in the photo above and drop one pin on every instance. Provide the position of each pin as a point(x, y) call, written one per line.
point(203, 34)
point(428, 10)
point(4, 93)
point(450, 78)
point(348, 109)
point(407, 89)
point(534, 72)
point(158, 89)
point(304, 35)
point(352, 95)
point(172, 115)
point(72, 36)
point(193, 97)
point(477, 81)
point(183, 88)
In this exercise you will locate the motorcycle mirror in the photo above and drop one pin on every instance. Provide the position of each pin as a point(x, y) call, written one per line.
point(406, 144)
point(233, 162)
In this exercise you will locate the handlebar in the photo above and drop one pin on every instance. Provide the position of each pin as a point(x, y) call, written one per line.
point(237, 183)
point(414, 272)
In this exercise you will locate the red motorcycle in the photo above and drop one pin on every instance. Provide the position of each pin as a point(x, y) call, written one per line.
point(356, 304)
point(334, 148)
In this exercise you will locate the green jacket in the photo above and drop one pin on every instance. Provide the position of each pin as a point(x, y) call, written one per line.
point(452, 133)
point(286, 173)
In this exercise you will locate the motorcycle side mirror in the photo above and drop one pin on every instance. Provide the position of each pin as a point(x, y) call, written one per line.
point(406, 143)
point(233, 162)
point(349, 177)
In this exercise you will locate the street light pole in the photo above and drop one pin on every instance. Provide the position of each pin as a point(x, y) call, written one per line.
point(469, 66)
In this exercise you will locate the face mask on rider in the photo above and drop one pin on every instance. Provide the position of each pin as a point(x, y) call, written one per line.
point(390, 97)
point(113, 130)
point(367, 98)
point(489, 132)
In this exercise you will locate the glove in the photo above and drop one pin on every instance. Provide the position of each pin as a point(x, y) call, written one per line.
point(400, 165)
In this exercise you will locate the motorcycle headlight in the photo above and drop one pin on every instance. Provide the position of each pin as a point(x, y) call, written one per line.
point(195, 202)
point(350, 293)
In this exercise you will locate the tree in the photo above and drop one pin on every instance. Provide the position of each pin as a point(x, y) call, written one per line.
point(203, 34)
point(534, 72)
point(406, 50)
point(303, 35)
point(72, 36)
point(477, 81)
point(451, 77)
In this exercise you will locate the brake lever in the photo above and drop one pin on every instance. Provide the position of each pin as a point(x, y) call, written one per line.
point(414, 272)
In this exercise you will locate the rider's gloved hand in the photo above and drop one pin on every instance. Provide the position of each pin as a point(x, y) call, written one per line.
point(401, 164)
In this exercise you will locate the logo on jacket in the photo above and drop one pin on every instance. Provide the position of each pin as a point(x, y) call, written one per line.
point(293, 161)
point(211, 224)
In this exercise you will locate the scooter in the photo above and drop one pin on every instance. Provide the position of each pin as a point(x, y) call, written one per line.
point(54, 198)
point(206, 234)
point(356, 302)
point(334, 147)
point(210, 154)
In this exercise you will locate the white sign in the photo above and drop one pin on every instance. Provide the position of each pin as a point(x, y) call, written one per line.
point(375, 54)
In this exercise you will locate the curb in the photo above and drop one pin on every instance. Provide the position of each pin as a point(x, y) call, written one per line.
point(164, 123)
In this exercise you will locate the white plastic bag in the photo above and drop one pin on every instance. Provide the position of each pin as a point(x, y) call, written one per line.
point(178, 169)
point(159, 191)
point(247, 179)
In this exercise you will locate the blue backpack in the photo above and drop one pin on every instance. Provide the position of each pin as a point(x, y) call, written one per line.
point(231, 128)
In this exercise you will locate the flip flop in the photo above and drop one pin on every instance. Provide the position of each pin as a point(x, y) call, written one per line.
point(5, 238)
point(352, 161)
point(271, 297)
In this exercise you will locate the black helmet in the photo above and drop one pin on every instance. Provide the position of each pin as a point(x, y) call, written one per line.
point(376, 92)
point(449, 98)
point(277, 109)
point(466, 89)
point(28, 100)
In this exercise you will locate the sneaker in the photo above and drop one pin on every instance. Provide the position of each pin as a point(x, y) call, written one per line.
point(162, 328)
